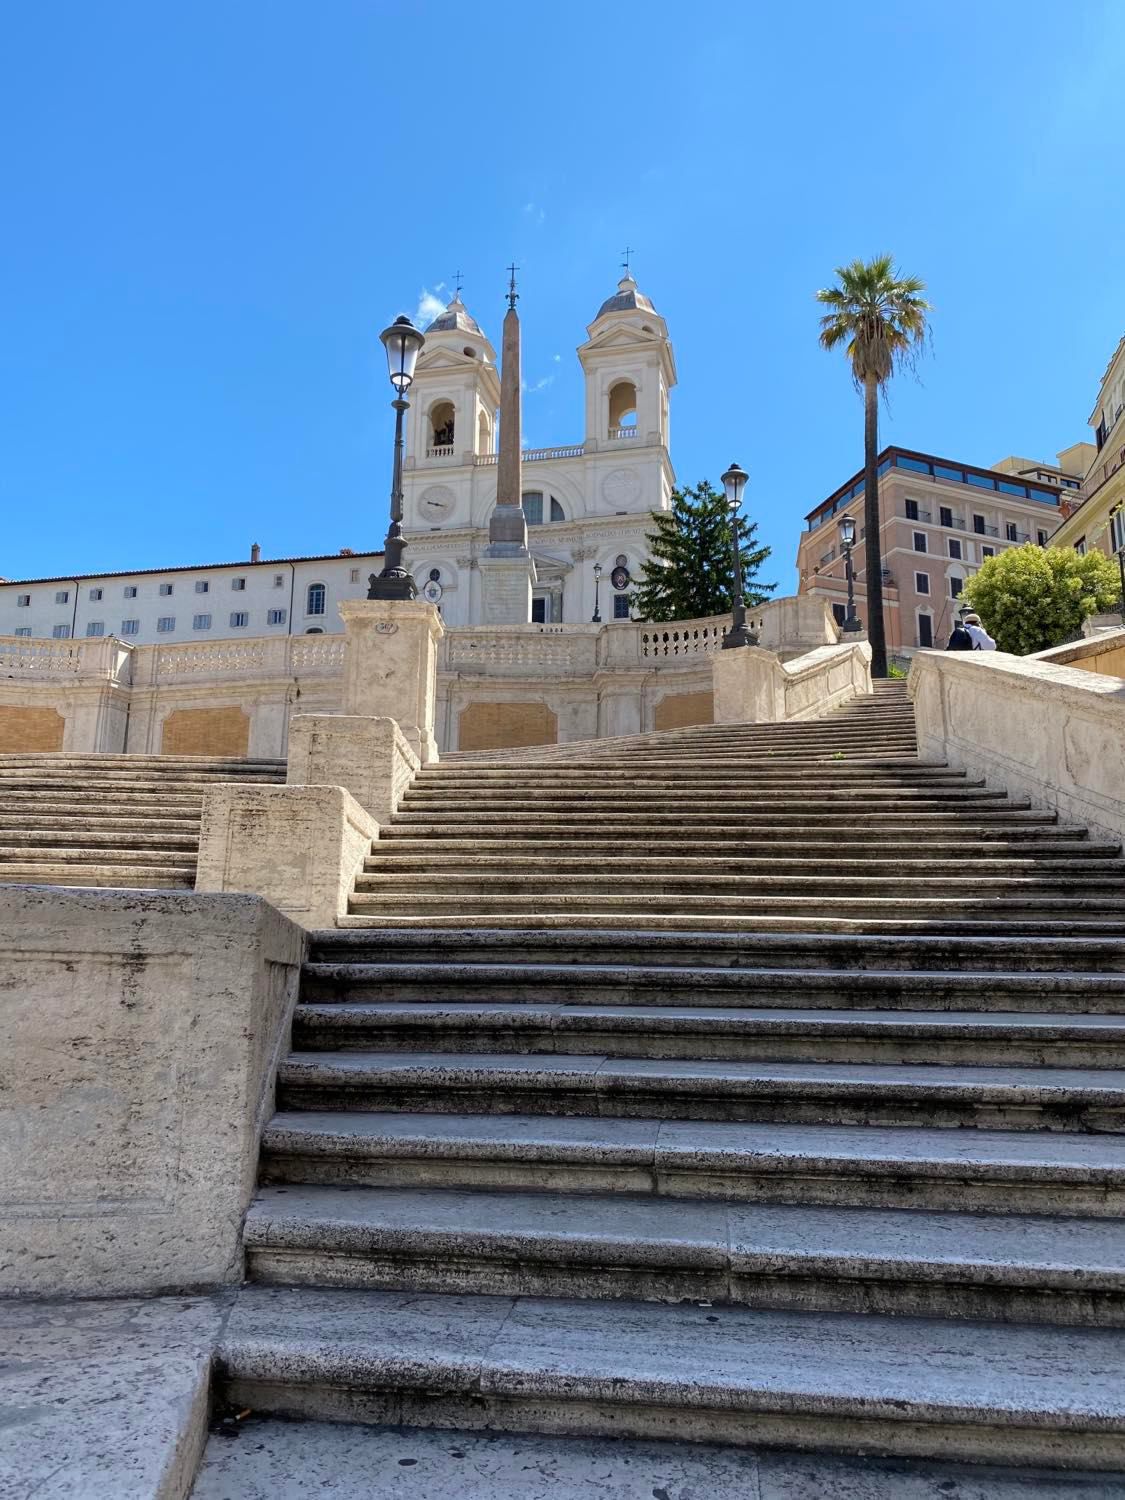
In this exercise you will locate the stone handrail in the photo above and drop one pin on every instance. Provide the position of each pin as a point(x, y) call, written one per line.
point(101, 658)
point(754, 686)
point(1055, 734)
point(534, 455)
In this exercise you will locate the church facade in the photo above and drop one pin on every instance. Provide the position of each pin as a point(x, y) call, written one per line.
point(585, 504)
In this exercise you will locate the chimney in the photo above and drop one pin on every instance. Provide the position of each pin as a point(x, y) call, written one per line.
point(255, 552)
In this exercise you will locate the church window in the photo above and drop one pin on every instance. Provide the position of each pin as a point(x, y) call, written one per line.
point(441, 427)
point(621, 606)
point(484, 434)
point(538, 508)
point(623, 409)
point(316, 599)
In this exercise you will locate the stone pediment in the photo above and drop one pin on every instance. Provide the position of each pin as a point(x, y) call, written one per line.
point(548, 569)
point(621, 338)
point(444, 359)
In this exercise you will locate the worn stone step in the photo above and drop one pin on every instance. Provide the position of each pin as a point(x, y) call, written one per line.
point(994, 1098)
point(624, 947)
point(66, 798)
point(869, 925)
point(52, 758)
point(640, 877)
point(846, 774)
point(137, 783)
point(107, 854)
point(979, 1171)
point(785, 858)
point(967, 1390)
point(108, 832)
point(742, 1033)
point(121, 877)
point(946, 834)
point(954, 990)
point(675, 798)
point(1012, 812)
point(547, 1244)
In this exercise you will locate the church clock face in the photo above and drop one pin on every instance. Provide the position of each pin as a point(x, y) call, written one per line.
point(435, 504)
point(621, 488)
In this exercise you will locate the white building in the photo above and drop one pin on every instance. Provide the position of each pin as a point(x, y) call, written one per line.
point(278, 596)
point(587, 502)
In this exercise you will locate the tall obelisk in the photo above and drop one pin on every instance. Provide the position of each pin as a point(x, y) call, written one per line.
point(506, 566)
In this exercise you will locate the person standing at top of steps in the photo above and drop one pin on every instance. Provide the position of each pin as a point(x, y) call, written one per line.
point(960, 639)
point(980, 637)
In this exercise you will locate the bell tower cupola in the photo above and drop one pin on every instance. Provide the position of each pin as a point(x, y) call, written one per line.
point(456, 393)
point(630, 370)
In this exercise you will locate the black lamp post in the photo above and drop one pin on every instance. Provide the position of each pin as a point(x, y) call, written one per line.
point(739, 634)
point(596, 618)
point(403, 344)
point(847, 538)
point(1119, 512)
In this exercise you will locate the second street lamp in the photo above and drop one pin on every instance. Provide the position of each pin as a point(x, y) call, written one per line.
point(739, 634)
point(596, 618)
point(847, 538)
point(403, 344)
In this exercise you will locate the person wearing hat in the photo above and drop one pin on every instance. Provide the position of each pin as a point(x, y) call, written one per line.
point(980, 637)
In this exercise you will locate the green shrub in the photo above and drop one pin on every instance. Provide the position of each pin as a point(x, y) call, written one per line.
point(1031, 598)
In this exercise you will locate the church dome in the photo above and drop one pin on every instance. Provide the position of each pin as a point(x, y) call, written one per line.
point(455, 319)
point(626, 299)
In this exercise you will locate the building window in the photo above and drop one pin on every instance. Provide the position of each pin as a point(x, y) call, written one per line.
point(955, 586)
point(23, 600)
point(1011, 531)
point(988, 552)
point(23, 629)
point(61, 632)
point(238, 584)
point(315, 630)
point(1041, 537)
point(925, 630)
point(1117, 529)
point(955, 548)
point(621, 606)
point(202, 586)
point(920, 541)
point(130, 591)
point(839, 613)
point(314, 601)
point(538, 508)
point(165, 590)
point(95, 627)
point(95, 595)
point(201, 622)
point(353, 576)
point(130, 627)
point(921, 583)
point(239, 620)
point(62, 596)
point(278, 580)
point(276, 617)
point(912, 510)
point(945, 515)
point(1080, 546)
point(166, 623)
point(978, 525)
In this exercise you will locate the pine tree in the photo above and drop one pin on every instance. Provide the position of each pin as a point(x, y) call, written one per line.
point(690, 572)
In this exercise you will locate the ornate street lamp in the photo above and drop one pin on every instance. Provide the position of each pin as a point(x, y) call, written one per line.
point(596, 618)
point(403, 344)
point(739, 634)
point(847, 538)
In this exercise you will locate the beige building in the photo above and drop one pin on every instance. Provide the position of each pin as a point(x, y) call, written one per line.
point(940, 520)
point(1096, 516)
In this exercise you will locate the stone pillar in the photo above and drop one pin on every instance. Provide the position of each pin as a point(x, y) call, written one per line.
point(506, 566)
point(390, 671)
point(371, 757)
point(749, 686)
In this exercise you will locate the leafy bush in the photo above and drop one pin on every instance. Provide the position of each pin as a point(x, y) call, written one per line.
point(1031, 598)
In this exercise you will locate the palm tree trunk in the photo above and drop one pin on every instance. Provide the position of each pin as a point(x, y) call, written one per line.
point(873, 554)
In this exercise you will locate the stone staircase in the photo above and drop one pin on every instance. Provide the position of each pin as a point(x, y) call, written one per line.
point(774, 1176)
point(110, 820)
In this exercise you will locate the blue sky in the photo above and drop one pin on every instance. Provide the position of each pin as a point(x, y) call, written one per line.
point(211, 209)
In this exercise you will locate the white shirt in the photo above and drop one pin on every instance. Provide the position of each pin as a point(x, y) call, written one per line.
point(981, 639)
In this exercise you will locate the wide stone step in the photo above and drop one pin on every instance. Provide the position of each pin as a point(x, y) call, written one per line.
point(108, 833)
point(117, 877)
point(970, 1170)
point(784, 816)
point(734, 799)
point(797, 1093)
point(49, 759)
point(953, 990)
point(966, 1390)
point(106, 854)
point(686, 922)
point(66, 798)
point(180, 786)
point(741, 1033)
point(845, 774)
point(944, 831)
point(642, 1247)
point(625, 947)
point(485, 876)
point(810, 855)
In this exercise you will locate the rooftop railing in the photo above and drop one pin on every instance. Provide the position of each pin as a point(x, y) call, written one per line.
point(533, 455)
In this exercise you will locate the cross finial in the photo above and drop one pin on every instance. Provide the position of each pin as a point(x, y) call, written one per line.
point(458, 281)
point(513, 295)
point(626, 253)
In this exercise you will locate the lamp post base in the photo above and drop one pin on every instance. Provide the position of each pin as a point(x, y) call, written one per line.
point(852, 627)
point(739, 635)
point(399, 586)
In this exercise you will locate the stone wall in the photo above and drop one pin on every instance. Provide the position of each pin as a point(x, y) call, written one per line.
point(139, 1033)
point(502, 726)
point(23, 728)
point(682, 710)
point(206, 731)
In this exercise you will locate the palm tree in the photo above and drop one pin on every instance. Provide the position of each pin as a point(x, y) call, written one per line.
point(880, 315)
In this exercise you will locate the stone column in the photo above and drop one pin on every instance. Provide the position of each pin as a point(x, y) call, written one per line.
point(390, 670)
point(506, 566)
